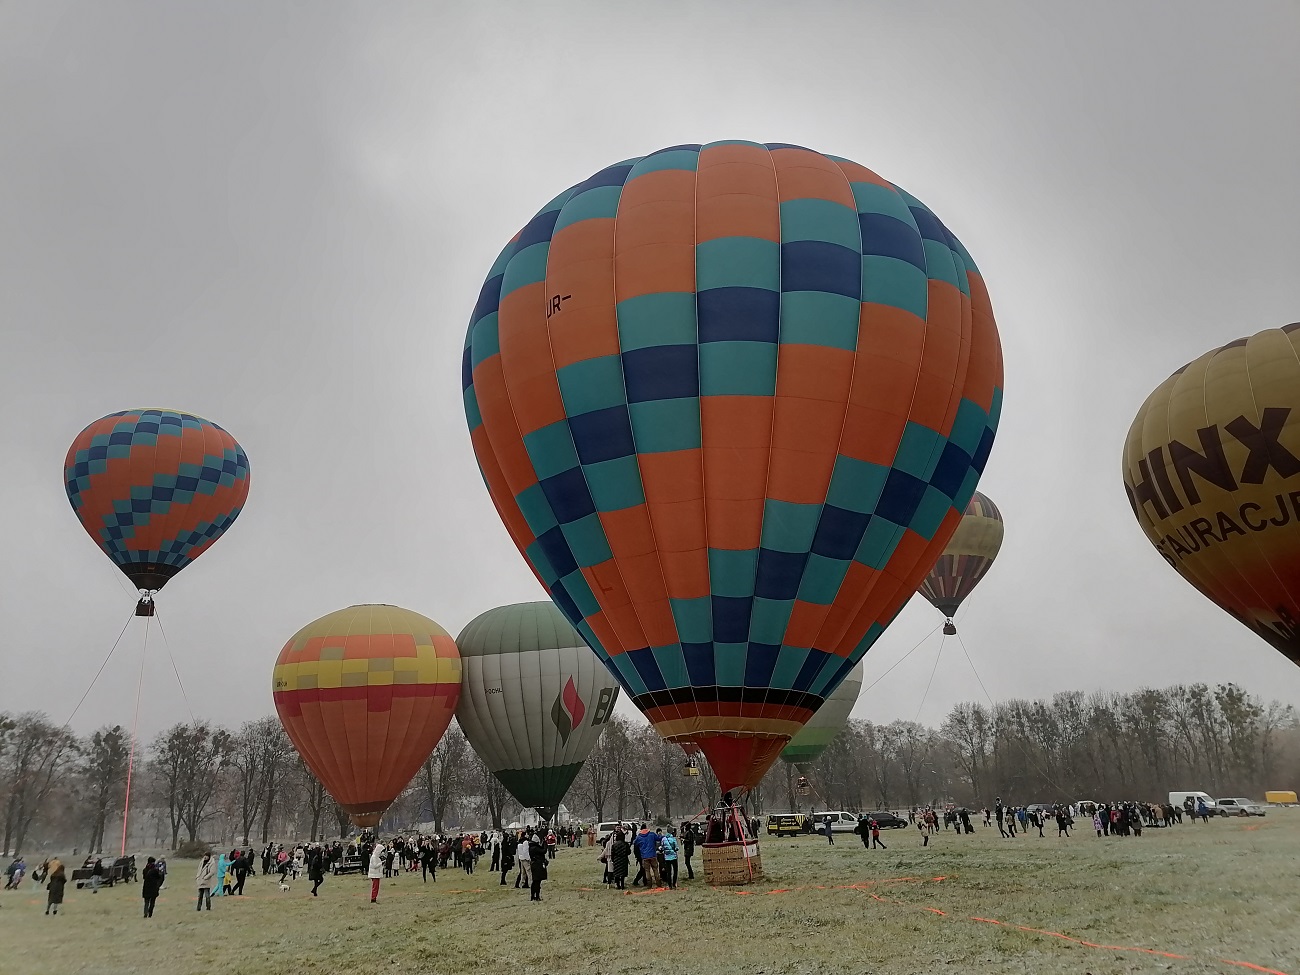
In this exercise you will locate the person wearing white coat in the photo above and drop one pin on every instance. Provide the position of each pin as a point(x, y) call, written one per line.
point(376, 871)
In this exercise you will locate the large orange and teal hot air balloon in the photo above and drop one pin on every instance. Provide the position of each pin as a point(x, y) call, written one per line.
point(730, 402)
point(965, 560)
point(155, 488)
point(1212, 470)
point(365, 693)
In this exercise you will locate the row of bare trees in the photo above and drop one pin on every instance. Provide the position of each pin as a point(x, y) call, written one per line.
point(1102, 746)
point(200, 781)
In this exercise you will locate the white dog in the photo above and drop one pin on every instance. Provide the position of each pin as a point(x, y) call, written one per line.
point(284, 887)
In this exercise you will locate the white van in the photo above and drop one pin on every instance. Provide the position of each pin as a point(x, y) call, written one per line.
point(1179, 798)
point(607, 829)
point(841, 822)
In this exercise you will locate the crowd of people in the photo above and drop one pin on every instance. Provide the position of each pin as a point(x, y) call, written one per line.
point(525, 853)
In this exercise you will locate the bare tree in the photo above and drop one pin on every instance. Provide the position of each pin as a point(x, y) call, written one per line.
point(277, 755)
point(246, 768)
point(313, 793)
point(186, 761)
point(33, 754)
point(102, 776)
point(489, 787)
point(444, 773)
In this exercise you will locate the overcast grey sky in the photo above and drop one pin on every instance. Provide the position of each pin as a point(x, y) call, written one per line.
point(278, 216)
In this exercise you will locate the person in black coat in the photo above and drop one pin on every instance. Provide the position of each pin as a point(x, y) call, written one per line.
point(509, 847)
point(242, 863)
point(151, 882)
point(537, 851)
point(57, 877)
point(620, 853)
point(688, 849)
point(316, 870)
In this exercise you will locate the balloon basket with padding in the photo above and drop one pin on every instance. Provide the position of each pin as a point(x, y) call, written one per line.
point(732, 864)
point(949, 628)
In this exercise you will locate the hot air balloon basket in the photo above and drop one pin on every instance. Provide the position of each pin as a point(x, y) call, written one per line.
point(732, 864)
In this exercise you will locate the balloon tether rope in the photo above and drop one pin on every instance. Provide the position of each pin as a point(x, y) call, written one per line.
point(915, 647)
point(175, 670)
point(135, 723)
point(933, 670)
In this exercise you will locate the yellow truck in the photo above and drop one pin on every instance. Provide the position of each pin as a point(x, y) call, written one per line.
point(1280, 798)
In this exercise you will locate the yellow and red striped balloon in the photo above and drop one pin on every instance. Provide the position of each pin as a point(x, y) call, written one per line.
point(365, 694)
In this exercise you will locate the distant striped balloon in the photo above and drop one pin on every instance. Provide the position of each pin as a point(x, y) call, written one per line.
point(534, 700)
point(831, 718)
point(730, 402)
point(154, 489)
point(967, 558)
point(365, 694)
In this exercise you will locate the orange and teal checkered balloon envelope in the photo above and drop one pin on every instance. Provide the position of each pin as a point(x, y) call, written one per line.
point(730, 402)
point(365, 694)
point(155, 488)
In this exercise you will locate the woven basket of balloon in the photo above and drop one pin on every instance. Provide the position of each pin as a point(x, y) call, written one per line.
point(732, 864)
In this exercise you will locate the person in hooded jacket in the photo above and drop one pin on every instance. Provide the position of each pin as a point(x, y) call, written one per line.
point(537, 853)
point(204, 880)
point(376, 871)
point(151, 881)
point(57, 879)
point(668, 858)
point(647, 844)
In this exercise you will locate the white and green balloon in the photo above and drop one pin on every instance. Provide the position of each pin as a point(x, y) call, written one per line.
point(534, 699)
point(831, 718)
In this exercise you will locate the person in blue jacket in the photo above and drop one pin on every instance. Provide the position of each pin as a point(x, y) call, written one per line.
point(647, 844)
point(668, 851)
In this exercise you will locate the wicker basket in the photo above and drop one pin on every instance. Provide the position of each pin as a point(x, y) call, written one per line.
point(726, 864)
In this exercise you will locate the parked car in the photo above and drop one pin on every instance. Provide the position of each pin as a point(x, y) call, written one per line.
point(786, 824)
point(1239, 807)
point(607, 829)
point(349, 864)
point(887, 820)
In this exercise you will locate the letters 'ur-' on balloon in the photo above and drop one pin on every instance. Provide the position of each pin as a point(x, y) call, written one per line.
point(154, 489)
point(730, 402)
point(1212, 471)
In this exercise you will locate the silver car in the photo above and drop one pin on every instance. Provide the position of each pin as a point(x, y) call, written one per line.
point(1239, 807)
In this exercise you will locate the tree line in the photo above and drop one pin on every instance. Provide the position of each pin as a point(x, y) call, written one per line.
point(199, 781)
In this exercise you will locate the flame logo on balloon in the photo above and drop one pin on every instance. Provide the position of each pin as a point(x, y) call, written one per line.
point(568, 710)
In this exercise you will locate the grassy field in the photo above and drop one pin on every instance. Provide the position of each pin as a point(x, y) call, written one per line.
point(1224, 897)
